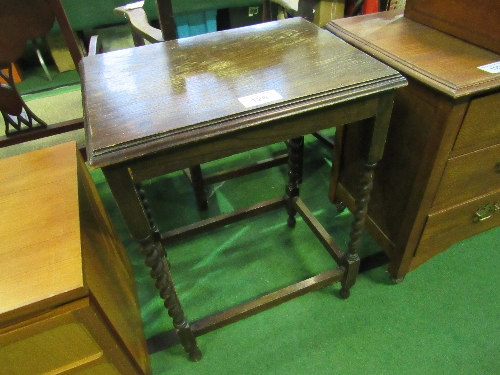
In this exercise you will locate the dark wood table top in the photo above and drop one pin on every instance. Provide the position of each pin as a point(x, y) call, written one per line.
point(147, 99)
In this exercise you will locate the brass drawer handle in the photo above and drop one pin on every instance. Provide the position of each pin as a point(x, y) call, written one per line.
point(485, 213)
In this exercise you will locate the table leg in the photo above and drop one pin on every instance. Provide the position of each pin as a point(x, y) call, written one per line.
point(380, 126)
point(351, 260)
point(295, 151)
point(147, 210)
point(138, 223)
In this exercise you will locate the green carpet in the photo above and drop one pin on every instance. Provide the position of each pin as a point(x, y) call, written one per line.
point(442, 319)
point(35, 80)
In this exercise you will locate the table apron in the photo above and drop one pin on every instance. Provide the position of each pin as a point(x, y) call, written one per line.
point(249, 138)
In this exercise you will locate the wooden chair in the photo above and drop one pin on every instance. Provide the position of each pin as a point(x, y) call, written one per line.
point(143, 32)
point(16, 114)
point(20, 21)
point(304, 9)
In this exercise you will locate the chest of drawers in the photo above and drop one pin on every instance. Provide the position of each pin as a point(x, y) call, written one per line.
point(439, 179)
point(68, 299)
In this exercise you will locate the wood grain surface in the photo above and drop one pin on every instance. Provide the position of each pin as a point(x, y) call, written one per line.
point(439, 60)
point(40, 255)
point(473, 21)
point(153, 97)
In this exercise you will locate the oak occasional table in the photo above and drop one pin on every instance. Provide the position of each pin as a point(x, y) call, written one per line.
point(68, 298)
point(160, 108)
point(439, 180)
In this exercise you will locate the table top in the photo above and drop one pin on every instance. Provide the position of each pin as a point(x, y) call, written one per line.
point(439, 60)
point(146, 99)
point(40, 245)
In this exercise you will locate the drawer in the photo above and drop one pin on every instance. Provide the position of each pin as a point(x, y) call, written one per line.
point(72, 338)
point(469, 176)
point(444, 228)
point(101, 369)
point(48, 347)
point(481, 125)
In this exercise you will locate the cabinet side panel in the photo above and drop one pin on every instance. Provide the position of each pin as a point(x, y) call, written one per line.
point(403, 173)
point(108, 273)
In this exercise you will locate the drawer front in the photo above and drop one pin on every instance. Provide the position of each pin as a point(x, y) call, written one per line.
point(469, 176)
point(444, 228)
point(481, 125)
point(74, 337)
point(101, 369)
point(51, 346)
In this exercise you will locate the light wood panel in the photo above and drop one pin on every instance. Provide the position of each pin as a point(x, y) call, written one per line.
point(40, 254)
point(68, 295)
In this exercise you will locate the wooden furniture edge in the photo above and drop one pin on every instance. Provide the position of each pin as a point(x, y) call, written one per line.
point(133, 149)
point(41, 132)
point(434, 81)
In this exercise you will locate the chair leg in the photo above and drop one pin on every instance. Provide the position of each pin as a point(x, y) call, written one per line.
point(266, 11)
point(300, 154)
point(328, 142)
point(199, 187)
point(295, 148)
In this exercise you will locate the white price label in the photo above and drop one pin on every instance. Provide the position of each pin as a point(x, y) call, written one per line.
point(260, 98)
point(491, 68)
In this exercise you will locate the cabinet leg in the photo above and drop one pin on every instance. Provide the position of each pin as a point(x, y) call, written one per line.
point(397, 281)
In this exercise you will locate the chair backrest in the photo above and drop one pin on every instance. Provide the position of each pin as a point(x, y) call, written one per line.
point(20, 21)
point(67, 31)
point(9, 98)
point(16, 114)
point(166, 19)
point(142, 31)
point(294, 8)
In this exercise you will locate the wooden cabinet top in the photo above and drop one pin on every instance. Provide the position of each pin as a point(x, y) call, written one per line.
point(439, 60)
point(151, 98)
point(40, 254)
